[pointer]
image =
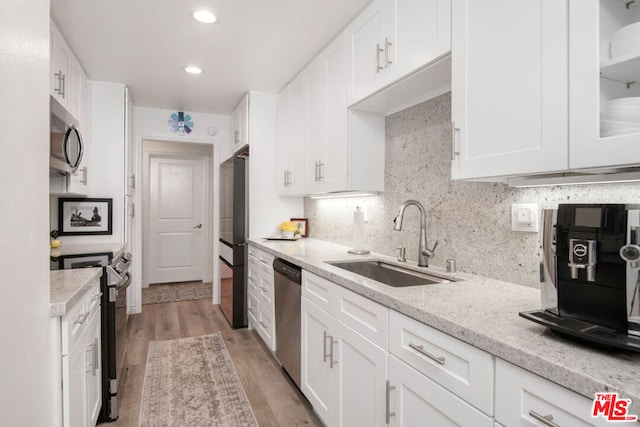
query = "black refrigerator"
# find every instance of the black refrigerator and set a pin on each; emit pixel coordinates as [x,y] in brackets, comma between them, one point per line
[233,233]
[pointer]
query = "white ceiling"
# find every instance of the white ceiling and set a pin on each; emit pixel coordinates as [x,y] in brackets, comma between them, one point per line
[255,45]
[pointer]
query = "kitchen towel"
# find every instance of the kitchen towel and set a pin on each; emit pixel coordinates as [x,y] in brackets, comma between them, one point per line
[358,229]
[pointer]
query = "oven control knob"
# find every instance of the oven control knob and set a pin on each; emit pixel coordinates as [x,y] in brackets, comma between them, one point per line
[127,256]
[631,254]
[120,267]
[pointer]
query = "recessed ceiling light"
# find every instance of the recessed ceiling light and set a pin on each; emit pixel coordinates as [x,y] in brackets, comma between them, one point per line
[192,69]
[204,16]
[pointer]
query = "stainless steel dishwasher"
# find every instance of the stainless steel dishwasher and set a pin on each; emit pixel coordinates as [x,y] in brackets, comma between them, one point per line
[288,291]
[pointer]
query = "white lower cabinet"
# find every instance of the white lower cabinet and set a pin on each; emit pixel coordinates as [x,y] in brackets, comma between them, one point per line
[79,360]
[416,400]
[260,296]
[343,373]
[525,399]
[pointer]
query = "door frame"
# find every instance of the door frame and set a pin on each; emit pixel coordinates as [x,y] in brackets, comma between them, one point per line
[173,149]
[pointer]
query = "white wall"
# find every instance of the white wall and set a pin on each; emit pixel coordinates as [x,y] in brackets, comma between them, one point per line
[25,376]
[152,124]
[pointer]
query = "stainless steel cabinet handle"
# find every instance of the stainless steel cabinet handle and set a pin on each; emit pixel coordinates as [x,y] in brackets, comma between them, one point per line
[324,346]
[420,349]
[95,357]
[252,311]
[64,86]
[387,44]
[262,324]
[89,348]
[378,50]
[58,75]
[197,226]
[264,289]
[454,150]
[544,419]
[331,361]
[320,171]
[84,176]
[81,318]
[236,136]
[388,413]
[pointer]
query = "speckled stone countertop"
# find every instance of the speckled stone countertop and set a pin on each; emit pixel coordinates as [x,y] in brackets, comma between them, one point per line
[68,286]
[482,312]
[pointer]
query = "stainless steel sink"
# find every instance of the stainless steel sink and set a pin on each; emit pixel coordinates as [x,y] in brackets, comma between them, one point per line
[389,274]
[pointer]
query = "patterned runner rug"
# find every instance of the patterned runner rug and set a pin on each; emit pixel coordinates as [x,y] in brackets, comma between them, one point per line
[192,382]
[174,292]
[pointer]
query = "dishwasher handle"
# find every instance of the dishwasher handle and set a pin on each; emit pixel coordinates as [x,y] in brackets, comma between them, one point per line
[287,269]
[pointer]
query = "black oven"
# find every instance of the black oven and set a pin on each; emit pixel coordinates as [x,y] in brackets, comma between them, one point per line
[113,285]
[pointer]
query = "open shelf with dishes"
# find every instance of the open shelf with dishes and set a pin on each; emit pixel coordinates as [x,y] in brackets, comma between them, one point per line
[619,37]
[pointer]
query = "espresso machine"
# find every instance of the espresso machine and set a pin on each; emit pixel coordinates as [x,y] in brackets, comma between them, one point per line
[590,285]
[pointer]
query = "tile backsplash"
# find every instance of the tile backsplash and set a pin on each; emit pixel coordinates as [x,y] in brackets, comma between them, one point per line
[470,220]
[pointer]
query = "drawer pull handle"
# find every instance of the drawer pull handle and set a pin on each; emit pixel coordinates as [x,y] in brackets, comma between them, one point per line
[264,289]
[81,318]
[544,419]
[252,311]
[262,324]
[420,349]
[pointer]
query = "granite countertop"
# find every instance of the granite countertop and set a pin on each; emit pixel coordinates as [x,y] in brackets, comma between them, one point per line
[482,312]
[68,286]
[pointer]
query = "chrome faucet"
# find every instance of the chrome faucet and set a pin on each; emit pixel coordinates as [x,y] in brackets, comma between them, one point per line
[423,253]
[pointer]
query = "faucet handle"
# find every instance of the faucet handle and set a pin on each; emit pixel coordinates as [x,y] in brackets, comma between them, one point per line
[430,252]
[402,254]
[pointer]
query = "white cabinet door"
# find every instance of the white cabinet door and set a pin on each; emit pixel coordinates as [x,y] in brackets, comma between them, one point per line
[601,134]
[240,123]
[509,87]
[367,50]
[415,400]
[318,378]
[285,151]
[60,55]
[73,366]
[334,173]
[362,375]
[315,146]
[298,132]
[422,33]
[93,370]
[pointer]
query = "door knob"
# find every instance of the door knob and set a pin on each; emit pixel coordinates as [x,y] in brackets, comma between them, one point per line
[197,226]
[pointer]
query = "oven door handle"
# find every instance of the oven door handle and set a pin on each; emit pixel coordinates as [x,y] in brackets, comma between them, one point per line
[126,281]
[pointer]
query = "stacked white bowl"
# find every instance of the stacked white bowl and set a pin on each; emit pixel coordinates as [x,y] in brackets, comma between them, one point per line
[626,41]
[621,116]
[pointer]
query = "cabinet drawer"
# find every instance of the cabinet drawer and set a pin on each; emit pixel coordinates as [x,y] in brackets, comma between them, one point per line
[266,326]
[252,309]
[317,290]
[265,261]
[363,315]
[459,367]
[520,394]
[253,277]
[266,290]
[77,318]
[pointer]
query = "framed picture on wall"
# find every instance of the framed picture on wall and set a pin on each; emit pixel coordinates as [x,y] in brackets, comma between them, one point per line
[83,216]
[84,260]
[303,225]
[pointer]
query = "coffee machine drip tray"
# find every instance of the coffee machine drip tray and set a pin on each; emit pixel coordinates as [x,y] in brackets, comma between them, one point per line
[584,331]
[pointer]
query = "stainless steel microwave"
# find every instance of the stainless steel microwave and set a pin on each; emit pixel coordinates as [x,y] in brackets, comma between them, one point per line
[66,146]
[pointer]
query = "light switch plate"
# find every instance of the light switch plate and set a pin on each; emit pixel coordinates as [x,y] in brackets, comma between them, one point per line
[524,217]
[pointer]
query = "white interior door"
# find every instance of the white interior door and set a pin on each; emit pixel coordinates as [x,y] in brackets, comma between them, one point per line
[176,215]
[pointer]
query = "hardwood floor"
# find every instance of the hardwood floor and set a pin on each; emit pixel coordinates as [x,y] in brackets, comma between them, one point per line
[275,401]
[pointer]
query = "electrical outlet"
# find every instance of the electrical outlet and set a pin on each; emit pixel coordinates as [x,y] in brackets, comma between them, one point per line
[525,217]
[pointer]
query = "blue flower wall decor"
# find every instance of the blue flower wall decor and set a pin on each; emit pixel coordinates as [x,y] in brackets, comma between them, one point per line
[180,123]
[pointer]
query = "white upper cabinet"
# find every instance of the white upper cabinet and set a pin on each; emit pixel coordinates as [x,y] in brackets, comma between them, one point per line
[393,38]
[322,146]
[240,124]
[509,87]
[66,75]
[604,67]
